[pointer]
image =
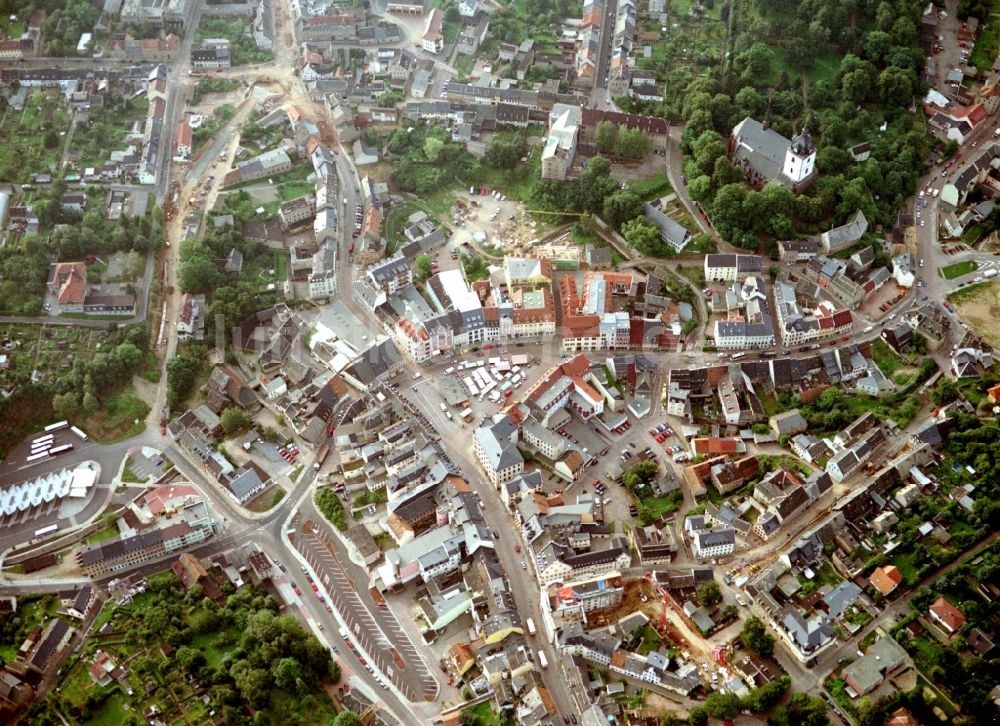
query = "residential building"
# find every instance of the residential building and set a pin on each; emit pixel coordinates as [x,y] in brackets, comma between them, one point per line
[296,211]
[560,145]
[884,658]
[946,615]
[267,164]
[183,144]
[432,40]
[886,579]
[730,267]
[495,446]
[671,231]
[212,55]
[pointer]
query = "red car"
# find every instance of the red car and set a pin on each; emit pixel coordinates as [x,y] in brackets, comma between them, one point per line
[517,548]
[660,439]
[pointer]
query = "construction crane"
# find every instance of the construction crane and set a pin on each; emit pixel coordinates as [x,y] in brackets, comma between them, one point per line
[662,625]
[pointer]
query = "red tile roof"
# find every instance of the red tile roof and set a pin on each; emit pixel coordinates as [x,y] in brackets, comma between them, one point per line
[947,614]
[71,277]
[886,579]
[712,445]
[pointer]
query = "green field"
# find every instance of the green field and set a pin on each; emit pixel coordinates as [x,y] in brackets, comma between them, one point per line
[957,269]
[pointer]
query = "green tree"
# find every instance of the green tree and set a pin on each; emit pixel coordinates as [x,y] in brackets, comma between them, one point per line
[620,207]
[895,86]
[756,61]
[181,372]
[606,137]
[423,265]
[596,184]
[90,403]
[945,391]
[708,147]
[199,274]
[66,405]
[755,637]
[128,356]
[644,236]
[633,144]
[234,419]
[723,706]
[287,672]
[709,594]
[190,658]
[698,717]
[504,154]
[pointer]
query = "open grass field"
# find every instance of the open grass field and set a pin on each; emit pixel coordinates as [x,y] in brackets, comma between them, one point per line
[979,306]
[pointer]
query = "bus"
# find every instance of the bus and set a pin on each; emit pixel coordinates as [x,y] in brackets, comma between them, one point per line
[35,448]
[542,660]
[61,449]
[56,427]
[737,356]
[37,457]
[47,440]
[45,531]
[78,432]
[531,626]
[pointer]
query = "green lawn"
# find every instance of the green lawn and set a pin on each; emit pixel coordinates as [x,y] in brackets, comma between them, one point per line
[972,234]
[281,265]
[654,188]
[106,532]
[112,713]
[295,189]
[652,508]
[885,358]
[206,644]
[957,269]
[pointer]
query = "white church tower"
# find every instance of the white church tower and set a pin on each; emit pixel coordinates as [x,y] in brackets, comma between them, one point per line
[800,158]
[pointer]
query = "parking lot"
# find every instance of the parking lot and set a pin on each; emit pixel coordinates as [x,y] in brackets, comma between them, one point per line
[381,640]
[265,454]
[148,463]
